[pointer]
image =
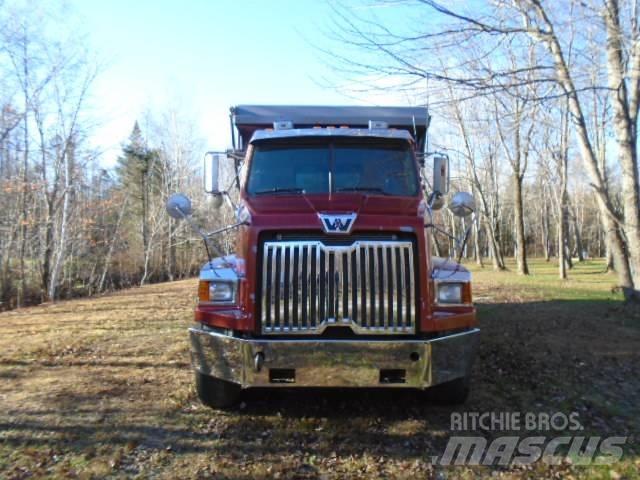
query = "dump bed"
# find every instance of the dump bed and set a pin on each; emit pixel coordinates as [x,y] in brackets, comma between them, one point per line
[249,118]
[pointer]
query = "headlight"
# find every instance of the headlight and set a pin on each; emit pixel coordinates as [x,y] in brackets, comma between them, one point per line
[220,291]
[449,293]
[217,291]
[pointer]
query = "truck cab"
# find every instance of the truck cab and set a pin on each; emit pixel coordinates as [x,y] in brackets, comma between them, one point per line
[332,282]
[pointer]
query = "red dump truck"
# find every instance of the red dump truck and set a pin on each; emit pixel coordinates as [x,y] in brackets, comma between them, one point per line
[332,282]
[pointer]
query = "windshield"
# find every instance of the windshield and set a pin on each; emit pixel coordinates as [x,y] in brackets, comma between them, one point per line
[381,169]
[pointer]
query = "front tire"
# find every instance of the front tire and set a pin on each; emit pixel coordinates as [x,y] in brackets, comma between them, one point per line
[216,393]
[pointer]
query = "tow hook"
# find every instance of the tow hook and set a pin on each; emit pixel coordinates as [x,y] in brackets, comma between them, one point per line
[258,361]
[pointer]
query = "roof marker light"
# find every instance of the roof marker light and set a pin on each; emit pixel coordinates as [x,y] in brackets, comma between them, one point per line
[283,125]
[377,124]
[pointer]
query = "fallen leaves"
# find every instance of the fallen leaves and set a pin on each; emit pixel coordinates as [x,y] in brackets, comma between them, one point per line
[103,388]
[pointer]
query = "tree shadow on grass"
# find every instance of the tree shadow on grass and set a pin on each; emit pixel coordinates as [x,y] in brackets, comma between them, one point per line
[543,356]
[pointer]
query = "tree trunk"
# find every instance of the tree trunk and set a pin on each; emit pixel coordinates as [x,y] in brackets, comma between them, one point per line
[617,249]
[563,229]
[545,228]
[624,122]
[609,251]
[497,246]
[562,252]
[523,267]
[578,237]
[23,192]
[116,233]
[172,250]
[47,254]
[62,247]
[453,247]
[145,213]
[476,243]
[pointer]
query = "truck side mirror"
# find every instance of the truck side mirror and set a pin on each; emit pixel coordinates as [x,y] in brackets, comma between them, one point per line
[440,175]
[212,172]
[178,206]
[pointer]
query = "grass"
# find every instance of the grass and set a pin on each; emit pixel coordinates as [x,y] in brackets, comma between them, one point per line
[102,387]
[588,280]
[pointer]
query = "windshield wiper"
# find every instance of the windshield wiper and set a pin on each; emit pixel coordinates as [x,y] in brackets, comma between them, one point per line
[279,190]
[363,189]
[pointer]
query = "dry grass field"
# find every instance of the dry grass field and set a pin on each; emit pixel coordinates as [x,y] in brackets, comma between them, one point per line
[102,388]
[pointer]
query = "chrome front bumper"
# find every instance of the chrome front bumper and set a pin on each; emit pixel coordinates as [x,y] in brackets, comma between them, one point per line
[333,363]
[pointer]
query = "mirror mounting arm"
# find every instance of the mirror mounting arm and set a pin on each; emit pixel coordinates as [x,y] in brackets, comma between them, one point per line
[225,229]
[440,230]
[205,238]
[179,207]
[238,158]
[461,242]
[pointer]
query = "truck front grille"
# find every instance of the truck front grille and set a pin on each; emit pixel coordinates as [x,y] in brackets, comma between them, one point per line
[308,286]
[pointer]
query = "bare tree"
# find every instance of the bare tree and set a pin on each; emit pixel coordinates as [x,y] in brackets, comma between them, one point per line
[478,186]
[518,157]
[476,39]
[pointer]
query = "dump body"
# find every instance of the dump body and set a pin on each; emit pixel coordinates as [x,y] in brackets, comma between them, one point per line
[332,280]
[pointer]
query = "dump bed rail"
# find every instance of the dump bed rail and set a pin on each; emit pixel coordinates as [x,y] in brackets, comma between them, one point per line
[249,118]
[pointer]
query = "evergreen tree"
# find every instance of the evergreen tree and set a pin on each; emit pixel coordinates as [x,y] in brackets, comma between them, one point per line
[140,175]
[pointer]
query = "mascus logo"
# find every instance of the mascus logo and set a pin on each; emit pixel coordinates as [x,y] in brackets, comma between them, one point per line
[339,223]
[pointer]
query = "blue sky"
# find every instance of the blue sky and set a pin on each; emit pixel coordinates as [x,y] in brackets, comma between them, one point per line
[203,56]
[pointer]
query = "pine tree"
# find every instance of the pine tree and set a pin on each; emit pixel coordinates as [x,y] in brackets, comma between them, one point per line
[139,173]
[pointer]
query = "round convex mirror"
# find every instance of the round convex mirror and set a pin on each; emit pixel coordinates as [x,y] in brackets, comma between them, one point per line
[178,206]
[462,204]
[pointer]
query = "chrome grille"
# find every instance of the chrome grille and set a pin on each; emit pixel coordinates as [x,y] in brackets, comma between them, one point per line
[368,286]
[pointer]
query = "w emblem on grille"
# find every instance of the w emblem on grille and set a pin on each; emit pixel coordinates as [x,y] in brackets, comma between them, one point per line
[339,223]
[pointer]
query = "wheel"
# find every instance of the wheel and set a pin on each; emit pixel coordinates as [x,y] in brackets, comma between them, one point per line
[454,392]
[216,393]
